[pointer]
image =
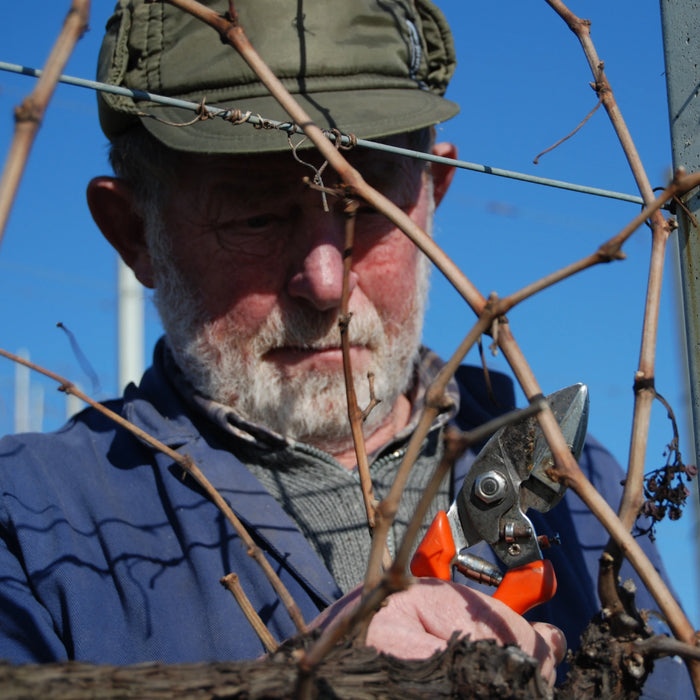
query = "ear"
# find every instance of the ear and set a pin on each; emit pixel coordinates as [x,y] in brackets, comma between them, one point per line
[442,173]
[111,205]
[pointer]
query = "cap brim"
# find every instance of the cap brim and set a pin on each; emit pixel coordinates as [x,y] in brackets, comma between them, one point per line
[368,114]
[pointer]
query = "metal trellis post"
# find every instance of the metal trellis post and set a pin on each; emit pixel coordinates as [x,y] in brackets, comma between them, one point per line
[680,21]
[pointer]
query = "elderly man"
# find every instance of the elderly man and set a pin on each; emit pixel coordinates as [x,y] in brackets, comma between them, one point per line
[111,555]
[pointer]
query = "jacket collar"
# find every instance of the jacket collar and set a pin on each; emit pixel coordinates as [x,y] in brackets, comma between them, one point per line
[157,408]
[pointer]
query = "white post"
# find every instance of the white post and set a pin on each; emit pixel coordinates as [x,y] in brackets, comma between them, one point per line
[36,416]
[22,423]
[73,404]
[130,326]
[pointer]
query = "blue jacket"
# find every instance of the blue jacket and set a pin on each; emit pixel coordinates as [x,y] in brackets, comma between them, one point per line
[109,555]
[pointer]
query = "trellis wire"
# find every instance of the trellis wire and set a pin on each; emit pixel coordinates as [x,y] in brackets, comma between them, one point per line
[257,120]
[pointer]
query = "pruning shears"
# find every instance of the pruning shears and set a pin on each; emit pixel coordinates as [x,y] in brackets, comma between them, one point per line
[508,477]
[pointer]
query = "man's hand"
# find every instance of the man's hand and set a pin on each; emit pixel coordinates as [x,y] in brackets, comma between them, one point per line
[415,623]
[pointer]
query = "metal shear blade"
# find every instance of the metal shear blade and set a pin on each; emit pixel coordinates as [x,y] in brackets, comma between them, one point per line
[509,476]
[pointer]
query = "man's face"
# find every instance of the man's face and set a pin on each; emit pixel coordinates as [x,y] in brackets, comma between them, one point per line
[249,271]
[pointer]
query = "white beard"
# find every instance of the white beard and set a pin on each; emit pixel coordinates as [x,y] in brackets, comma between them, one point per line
[231,369]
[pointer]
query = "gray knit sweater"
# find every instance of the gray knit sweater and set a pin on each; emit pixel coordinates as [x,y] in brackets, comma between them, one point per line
[321,496]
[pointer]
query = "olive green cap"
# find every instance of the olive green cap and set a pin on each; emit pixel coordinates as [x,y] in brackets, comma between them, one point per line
[372,68]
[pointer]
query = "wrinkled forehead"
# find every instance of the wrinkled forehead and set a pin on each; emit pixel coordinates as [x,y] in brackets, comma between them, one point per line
[249,175]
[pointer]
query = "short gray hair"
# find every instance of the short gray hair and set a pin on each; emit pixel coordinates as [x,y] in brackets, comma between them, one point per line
[146,165]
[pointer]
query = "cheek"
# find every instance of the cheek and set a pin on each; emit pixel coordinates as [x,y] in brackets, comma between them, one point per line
[229,285]
[242,314]
[236,325]
[388,270]
[239,296]
[387,276]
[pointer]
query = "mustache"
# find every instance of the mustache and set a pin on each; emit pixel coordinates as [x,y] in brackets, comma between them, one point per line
[309,329]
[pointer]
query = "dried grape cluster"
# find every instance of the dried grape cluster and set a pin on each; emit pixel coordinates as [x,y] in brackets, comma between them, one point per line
[664,489]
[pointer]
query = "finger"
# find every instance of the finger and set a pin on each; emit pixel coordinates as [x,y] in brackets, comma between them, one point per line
[403,637]
[483,617]
[554,637]
[549,649]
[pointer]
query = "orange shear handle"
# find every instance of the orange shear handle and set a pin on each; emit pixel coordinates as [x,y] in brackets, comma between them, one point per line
[436,552]
[526,586]
[521,589]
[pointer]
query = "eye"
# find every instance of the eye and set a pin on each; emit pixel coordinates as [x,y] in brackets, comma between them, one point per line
[371,225]
[370,216]
[257,235]
[260,221]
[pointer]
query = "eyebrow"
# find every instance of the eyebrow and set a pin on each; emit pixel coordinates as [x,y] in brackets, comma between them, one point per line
[251,187]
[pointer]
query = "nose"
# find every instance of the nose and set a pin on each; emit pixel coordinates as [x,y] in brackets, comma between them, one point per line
[317,276]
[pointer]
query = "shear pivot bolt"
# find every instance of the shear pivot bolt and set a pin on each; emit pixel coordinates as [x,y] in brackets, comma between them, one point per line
[490,487]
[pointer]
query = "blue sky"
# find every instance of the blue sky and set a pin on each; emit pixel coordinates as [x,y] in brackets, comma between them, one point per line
[522,82]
